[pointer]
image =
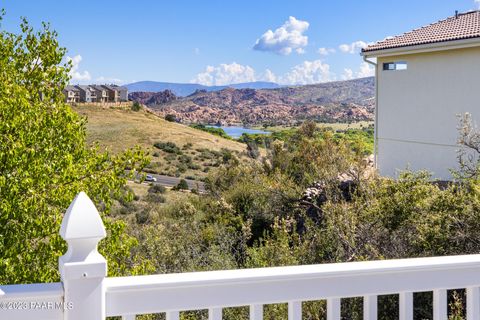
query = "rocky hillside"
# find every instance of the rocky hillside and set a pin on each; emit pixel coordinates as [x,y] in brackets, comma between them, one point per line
[339,101]
[153,98]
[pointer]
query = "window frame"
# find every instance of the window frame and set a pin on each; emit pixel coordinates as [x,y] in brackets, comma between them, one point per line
[395,66]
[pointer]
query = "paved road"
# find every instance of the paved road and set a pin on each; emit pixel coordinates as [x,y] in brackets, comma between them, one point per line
[168,181]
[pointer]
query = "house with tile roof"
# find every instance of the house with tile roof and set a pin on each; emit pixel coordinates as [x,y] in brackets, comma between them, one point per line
[425,79]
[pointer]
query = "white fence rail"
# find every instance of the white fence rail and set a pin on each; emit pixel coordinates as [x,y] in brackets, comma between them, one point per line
[86,292]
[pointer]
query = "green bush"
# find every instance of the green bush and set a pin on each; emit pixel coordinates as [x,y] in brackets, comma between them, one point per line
[170,118]
[136,106]
[157,188]
[182,185]
[171,157]
[142,217]
[193,166]
[185,159]
[155,198]
[169,147]
[181,167]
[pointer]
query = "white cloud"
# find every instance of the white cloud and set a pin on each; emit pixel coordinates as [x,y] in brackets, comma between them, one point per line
[225,74]
[284,39]
[477,3]
[347,74]
[196,51]
[107,80]
[300,50]
[325,51]
[365,70]
[354,47]
[74,73]
[308,72]
[269,76]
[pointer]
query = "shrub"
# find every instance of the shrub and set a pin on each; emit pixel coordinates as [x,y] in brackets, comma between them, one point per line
[169,147]
[150,170]
[156,188]
[142,217]
[170,157]
[185,159]
[181,167]
[227,155]
[152,167]
[252,150]
[136,106]
[170,118]
[155,198]
[182,185]
[193,166]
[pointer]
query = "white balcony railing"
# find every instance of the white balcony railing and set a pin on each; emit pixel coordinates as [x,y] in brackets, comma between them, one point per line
[85,292]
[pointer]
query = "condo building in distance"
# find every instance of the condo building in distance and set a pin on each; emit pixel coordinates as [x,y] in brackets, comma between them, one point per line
[95,93]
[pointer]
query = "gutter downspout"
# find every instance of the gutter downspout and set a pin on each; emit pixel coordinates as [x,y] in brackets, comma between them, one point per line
[375,132]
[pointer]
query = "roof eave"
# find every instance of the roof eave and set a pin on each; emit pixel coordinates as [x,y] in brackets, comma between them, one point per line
[428,47]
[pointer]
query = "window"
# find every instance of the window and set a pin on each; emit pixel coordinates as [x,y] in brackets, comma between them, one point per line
[398,65]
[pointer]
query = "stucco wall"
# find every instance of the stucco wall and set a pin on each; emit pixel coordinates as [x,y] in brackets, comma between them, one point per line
[124,95]
[417,109]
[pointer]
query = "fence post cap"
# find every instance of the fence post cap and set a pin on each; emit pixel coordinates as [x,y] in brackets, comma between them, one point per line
[82,220]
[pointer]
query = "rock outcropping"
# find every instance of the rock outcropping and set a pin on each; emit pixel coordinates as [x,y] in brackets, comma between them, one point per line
[153,98]
[327,102]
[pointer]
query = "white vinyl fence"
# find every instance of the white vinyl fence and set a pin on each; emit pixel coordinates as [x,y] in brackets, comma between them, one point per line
[86,293]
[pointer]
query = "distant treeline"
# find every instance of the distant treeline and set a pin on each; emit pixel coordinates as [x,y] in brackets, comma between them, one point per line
[213,130]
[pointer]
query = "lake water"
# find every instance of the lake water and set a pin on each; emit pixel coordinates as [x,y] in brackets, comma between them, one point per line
[236,132]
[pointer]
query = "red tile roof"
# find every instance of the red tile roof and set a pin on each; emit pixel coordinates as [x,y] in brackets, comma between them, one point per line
[463,26]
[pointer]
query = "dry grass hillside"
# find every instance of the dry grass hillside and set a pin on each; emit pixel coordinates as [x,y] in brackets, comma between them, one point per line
[118,129]
[181,151]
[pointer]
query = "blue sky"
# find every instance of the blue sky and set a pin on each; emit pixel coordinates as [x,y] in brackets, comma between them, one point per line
[220,42]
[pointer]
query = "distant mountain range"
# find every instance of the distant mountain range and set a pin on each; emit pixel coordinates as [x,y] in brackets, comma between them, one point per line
[185,89]
[339,101]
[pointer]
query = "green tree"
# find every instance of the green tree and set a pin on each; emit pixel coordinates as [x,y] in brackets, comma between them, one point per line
[45,162]
[182,185]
